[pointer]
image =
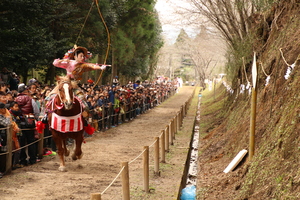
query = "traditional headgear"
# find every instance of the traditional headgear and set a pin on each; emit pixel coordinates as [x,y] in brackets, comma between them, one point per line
[71,53]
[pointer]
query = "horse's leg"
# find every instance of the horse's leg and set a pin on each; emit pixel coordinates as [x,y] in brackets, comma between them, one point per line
[66,150]
[77,152]
[60,150]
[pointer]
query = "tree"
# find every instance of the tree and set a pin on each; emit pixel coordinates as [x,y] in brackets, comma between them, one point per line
[34,33]
[24,34]
[136,38]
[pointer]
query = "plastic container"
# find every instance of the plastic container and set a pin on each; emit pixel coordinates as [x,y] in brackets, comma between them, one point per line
[188,193]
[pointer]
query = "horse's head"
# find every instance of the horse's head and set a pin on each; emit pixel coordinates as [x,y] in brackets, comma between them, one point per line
[65,92]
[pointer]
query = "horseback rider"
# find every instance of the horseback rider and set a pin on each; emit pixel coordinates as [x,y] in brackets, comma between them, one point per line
[75,65]
[73,62]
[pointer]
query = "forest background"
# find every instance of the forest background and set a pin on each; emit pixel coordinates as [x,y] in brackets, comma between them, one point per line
[34,33]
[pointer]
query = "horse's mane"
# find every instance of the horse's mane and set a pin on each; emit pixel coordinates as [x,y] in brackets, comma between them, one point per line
[63,79]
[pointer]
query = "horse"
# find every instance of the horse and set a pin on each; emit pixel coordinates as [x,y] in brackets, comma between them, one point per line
[65,119]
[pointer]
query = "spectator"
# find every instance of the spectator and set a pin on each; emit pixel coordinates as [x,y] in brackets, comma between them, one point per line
[136,84]
[3,87]
[14,81]
[30,111]
[116,81]
[5,121]
[32,81]
[116,110]
[18,118]
[5,75]
[89,100]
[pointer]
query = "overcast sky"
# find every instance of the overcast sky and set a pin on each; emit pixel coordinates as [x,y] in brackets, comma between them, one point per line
[171,21]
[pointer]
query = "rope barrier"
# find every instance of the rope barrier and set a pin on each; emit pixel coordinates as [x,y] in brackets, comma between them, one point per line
[4,128]
[22,146]
[152,144]
[113,181]
[137,157]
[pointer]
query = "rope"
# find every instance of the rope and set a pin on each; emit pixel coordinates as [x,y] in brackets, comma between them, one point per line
[137,157]
[21,147]
[283,57]
[262,67]
[108,42]
[113,181]
[245,70]
[84,22]
[153,143]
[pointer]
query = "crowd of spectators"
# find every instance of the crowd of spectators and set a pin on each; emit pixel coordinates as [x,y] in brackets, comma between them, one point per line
[109,105]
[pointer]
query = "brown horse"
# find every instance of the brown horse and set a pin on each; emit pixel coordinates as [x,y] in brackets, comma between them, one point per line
[65,119]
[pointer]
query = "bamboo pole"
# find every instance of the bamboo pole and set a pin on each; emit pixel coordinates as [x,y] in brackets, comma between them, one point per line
[252,123]
[253,109]
[146,168]
[125,181]
[156,156]
[163,149]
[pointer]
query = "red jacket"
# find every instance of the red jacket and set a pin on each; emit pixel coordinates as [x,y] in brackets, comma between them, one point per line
[25,103]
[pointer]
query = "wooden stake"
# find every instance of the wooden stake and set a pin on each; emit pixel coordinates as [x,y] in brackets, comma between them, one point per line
[146,168]
[125,181]
[156,156]
[163,149]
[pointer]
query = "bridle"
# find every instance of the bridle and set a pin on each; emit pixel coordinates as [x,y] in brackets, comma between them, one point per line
[65,104]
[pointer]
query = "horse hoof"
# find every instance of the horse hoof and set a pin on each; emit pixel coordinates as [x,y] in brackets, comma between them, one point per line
[67,153]
[74,157]
[62,169]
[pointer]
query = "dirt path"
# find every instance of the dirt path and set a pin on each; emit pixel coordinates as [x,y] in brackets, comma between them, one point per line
[103,154]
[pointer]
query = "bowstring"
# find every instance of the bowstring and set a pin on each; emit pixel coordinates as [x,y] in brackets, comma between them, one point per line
[108,41]
[92,4]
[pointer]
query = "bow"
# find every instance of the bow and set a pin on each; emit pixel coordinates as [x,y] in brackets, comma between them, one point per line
[108,41]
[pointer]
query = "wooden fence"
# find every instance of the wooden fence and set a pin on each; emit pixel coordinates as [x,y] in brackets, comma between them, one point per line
[161,146]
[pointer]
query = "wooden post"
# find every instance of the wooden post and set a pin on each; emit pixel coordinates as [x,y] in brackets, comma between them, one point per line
[174,127]
[109,116]
[146,168]
[253,109]
[186,108]
[130,111]
[103,116]
[163,149]
[181,116]
[41,145]
[95,196]
[123,116]
[167,140]
[252,124]
[156,156]
[125,181]
[172,131]
[9,131]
